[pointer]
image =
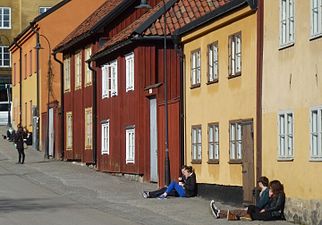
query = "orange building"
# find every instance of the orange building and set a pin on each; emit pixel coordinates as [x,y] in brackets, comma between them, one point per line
[36,74]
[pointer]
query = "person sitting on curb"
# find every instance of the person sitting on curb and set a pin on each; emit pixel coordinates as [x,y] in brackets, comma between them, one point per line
[186,187]
[261,201]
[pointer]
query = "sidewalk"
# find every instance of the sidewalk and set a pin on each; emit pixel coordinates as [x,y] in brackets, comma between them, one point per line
[114,194]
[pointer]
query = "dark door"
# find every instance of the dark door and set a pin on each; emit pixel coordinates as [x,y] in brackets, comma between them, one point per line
[248,161]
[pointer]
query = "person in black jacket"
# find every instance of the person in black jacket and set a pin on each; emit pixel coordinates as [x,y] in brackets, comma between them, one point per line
[19,144]
[274,210]
[185,187]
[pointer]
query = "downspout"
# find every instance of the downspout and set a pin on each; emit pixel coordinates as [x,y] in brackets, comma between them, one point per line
[178,48]
[260,41]
[62,130]
[20,78]
[94,112]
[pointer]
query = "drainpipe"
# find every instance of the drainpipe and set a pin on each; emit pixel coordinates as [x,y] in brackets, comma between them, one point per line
[62,130]
[94,112]
[20,78]
[178,48]
[260,36]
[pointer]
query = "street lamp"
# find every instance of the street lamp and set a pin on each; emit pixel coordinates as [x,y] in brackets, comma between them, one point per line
[8,86]
[144,4]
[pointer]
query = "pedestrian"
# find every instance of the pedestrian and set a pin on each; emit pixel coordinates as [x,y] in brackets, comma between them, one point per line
[19,141]
[244,214]
[186,186]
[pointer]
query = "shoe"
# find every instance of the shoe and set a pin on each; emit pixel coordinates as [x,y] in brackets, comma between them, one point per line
[214,209]
[145,194]
[162,197]
[247,217]
[231,216]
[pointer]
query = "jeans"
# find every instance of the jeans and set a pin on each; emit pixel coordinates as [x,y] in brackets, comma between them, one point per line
[175,186]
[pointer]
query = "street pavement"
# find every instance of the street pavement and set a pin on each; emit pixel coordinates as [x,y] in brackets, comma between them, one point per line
[52,192]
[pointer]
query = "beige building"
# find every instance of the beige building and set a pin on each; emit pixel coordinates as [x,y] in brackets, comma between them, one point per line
[15,15]
[220,97]
[292,104]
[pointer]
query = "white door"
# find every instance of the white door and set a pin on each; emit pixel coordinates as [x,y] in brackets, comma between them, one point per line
[51,132]
[153,141]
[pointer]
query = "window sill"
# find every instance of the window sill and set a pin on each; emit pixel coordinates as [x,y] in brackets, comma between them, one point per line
[315,36]
[288,45]
[212,82]
[286,159]
[235,161]
[315,159]
[234,76]
[88,148]
[213,161]
[69,149]
[196,161]
[195,86]
[66,91]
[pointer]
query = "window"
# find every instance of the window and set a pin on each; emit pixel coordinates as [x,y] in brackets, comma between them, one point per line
[30,111]
[213,62]
[4,56]
[67,74]
[196,144]
[130,145]
[316,17]
[43,9]
[235,139]
[129,62]
[78,71]
[316,134]
[286,22]
[285,124]
[69,132]
[88,128]
[195,68]
[109,79]
[234,46]
[30,62]
[213,142]
[105,137]
[5,18]
[88,72]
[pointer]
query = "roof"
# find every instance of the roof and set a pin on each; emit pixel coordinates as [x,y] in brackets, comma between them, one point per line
[179,13]
[85,28]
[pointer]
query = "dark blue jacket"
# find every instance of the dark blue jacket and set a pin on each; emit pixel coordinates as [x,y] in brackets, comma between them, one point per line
[262,200]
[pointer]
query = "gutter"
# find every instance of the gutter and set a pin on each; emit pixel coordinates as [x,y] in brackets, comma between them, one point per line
[20,79]
[94,112]
[62,130]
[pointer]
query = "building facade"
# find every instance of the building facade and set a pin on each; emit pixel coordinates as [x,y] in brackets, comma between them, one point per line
[221,101]
[292,100]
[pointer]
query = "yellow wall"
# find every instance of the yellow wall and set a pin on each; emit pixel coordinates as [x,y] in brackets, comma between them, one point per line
[229,99]
[292,79]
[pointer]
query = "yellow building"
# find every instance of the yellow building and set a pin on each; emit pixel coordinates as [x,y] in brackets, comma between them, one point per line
[15,15]
[29,70]
[292,104]
[221,101]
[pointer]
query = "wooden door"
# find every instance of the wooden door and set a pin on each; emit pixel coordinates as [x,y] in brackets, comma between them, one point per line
[248,161]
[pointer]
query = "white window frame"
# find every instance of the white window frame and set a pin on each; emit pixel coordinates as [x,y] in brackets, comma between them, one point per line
[105,137]
[129,71]
[2,9]
[67,74]
[235,54]
[69,130]
[316,134]
[88,72]
[287,23]
[130,144]
[2,56]
[88,128]
[195,61]
[213,142]
[78,70]
[285,135]
[196,143]
[213,67]
[43,9]
[235,141]
[316,18]
[109,79]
